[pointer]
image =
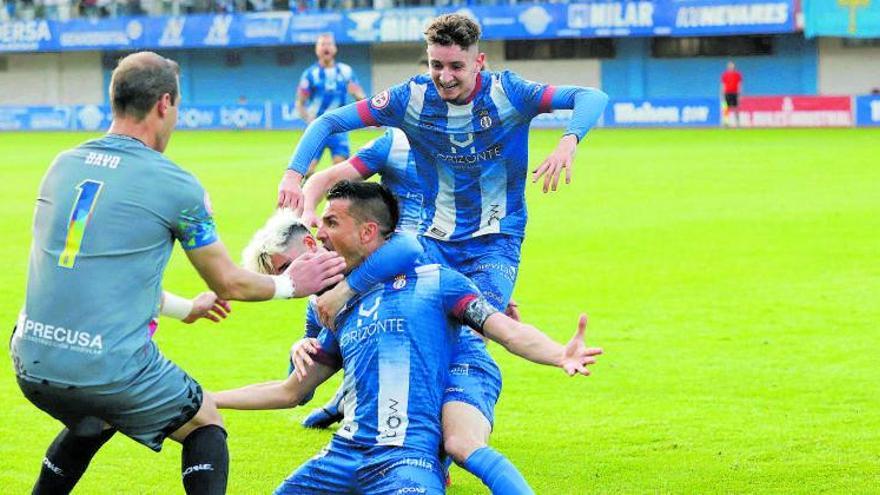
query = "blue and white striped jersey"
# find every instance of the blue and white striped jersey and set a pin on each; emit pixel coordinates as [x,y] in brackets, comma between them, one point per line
[390,156]
[472,158]
[326,88]
[395,343]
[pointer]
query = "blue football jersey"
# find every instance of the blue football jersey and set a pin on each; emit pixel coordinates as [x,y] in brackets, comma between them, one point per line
[326,88]
[391,157]
[472,158]
[395,343]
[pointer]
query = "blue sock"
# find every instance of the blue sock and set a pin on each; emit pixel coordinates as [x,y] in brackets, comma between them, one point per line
[497,473]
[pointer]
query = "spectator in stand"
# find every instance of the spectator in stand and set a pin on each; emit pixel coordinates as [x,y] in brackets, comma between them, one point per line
[731,87]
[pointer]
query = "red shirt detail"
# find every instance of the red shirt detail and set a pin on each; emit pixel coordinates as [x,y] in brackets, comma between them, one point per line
[731,80]
[364,112]
[360,166]
[546,98]
[476,89]
[461,306]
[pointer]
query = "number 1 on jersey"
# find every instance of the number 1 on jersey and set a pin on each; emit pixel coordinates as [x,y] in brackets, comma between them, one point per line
[80,215]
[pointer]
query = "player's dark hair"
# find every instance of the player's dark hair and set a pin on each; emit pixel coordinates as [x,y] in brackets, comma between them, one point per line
[453,29]
[370,201]
[139,81]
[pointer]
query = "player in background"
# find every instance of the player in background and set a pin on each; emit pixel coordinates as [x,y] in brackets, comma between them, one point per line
[731,87]
[468,130]
[395,343]
[325,86]
[107,215]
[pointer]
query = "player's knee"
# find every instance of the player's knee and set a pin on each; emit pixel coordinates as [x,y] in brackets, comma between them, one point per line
[209,414]
[460,446]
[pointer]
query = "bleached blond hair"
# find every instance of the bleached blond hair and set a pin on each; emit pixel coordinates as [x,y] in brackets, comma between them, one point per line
[280,231]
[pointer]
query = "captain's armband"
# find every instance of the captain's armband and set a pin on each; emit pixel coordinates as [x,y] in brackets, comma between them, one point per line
[476,312]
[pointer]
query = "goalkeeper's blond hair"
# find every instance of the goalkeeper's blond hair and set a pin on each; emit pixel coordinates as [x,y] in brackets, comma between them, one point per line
[281,230]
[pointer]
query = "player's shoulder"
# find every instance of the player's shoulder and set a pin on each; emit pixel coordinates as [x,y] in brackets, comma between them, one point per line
[344,68]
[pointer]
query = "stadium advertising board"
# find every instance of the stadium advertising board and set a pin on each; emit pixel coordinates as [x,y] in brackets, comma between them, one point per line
[55,118]
[708,17]
[677,112]
[98,117]
[868,110]
[795,111]
[593,19]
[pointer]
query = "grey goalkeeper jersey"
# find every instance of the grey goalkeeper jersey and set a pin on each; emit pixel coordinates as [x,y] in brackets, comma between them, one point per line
[105,222]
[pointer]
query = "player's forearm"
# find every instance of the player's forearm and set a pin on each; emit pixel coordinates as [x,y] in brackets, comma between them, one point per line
[243,285]
[339,120]
[396,256]
[228,280]
[270,395]
[525,341]
[315,188]
[587,104]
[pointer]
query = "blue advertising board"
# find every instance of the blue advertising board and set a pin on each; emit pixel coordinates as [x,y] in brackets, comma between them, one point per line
[682,112]
[55,118]
[251,116]
[867,111]
[614,18]
[677,112]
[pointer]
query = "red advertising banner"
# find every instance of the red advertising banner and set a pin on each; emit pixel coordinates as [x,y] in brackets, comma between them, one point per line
[795,111]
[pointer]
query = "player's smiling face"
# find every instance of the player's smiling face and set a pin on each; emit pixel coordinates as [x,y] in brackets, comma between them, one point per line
[454,70]
[340,232]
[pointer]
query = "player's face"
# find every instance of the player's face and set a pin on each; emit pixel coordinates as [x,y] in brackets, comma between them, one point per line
[325,48]
[280,261]
[454,70]
[340,232]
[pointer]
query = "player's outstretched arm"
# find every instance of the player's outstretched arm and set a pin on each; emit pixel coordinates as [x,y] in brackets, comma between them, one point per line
[342,119]
[530,343]
[277,394]
[306,275]
[205,305]
[317,186]
[587,104]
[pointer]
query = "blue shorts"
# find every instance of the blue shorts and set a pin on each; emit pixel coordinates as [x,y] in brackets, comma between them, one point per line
[491,262]
[343,467]
[148,407]
[473,378]
[337,144]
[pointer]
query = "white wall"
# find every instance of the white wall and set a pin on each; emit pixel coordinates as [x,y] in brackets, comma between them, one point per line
[52,79]
[844,71]
[394,63]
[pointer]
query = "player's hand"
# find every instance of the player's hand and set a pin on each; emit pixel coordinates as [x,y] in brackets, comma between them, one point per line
[310,219]
[577,355]
[512,310]
[300,356]
[208,306]
[290,191]
[561,159]
[331,302]
[312,272]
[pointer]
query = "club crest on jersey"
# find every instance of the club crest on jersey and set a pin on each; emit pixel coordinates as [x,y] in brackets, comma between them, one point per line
[485,122]
[380,100]
[399,282]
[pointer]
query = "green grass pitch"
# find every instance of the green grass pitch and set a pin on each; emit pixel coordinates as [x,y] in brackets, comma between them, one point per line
[732,278]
